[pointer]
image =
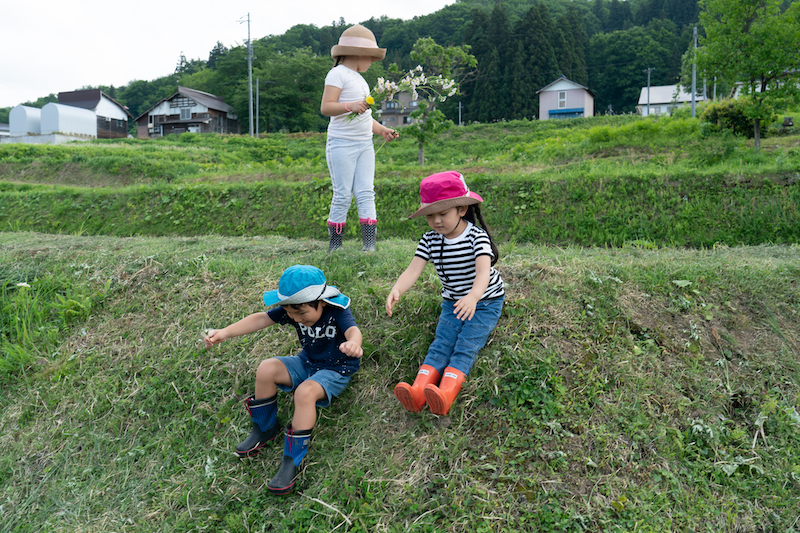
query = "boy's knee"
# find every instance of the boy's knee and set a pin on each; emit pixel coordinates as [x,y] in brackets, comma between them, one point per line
[269,368]
[308,392]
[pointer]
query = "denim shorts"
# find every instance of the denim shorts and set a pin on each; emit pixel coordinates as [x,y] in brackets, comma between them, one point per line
[332,382]
[458,342]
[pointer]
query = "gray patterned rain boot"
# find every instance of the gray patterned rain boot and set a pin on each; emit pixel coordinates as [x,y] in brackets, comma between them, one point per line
[335,231]
[369,234]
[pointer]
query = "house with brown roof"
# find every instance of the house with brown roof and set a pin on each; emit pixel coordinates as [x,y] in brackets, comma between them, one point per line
[112,117]
[187,110]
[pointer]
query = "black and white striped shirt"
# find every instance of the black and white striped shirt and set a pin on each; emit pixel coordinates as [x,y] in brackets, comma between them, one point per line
[454,261]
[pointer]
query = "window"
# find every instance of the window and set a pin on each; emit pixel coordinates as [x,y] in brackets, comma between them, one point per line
[181,101]
[186,113]
[413,103]
[406,120]
[562,99]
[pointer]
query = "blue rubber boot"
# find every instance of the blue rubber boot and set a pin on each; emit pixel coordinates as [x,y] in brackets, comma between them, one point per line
[294,451]
[265,428]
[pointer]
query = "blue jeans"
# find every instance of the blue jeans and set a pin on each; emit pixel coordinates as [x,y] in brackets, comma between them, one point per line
[458,342]
[352,168]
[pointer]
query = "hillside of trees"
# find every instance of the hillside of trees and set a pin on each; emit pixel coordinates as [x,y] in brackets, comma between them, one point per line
[520,45]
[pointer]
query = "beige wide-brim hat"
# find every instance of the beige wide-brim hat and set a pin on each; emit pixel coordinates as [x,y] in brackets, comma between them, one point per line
[358,41]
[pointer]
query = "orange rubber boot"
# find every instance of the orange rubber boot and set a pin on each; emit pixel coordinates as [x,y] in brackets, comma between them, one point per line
[413,396]
[441,398]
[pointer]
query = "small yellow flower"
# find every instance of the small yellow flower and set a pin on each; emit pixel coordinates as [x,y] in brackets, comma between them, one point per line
[370,100]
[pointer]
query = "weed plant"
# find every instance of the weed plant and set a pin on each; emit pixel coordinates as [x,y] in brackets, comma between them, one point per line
[635,388]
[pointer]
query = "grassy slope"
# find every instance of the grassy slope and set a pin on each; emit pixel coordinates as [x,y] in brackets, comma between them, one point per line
[598,181]
[621,391]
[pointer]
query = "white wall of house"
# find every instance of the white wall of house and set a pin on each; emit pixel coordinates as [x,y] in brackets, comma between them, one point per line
[663,99]
[565,95]
[164,108]
[24,120]
[107,108]
[60,118]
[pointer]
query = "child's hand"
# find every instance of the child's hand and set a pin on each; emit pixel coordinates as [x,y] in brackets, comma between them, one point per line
[465,308]
[351,348]
[358,107]
[393,298]
[214,336]
[389,134]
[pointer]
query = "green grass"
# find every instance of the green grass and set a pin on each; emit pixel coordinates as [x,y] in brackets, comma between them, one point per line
[644,375]
[591,182]
[621,391]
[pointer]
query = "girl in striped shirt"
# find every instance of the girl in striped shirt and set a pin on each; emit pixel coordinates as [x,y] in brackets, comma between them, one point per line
[463,254]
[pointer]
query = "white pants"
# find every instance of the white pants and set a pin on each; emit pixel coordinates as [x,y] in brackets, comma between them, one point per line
[352,168]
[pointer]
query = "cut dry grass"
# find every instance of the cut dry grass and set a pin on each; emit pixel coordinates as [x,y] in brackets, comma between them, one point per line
[623,390]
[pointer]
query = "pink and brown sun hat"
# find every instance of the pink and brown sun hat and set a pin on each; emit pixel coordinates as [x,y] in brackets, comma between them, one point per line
[443,190]
[358,41]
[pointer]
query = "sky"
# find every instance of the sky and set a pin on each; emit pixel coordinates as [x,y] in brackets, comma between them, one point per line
[60,46]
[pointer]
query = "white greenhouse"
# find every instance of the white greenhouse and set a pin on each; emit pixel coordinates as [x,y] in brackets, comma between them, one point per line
[24,120]
[68,120]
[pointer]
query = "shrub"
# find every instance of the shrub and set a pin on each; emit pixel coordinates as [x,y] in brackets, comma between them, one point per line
[737,115]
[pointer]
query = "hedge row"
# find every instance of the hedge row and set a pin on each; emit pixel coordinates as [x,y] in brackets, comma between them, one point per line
[695,211]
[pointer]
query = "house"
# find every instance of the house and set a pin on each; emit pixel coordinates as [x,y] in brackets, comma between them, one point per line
[112,117]
[565,99]
[187,110]
[663,99]
[396,113]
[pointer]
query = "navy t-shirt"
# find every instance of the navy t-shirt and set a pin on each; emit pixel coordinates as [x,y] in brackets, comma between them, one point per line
[321,341]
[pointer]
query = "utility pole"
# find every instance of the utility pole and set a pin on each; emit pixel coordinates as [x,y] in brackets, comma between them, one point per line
[257,92]
[694,70]
[249,73]
[648,70]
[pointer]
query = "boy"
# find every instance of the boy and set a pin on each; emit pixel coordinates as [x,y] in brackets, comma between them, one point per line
[331,348]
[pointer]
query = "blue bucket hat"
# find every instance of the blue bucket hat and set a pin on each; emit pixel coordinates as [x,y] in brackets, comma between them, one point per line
[300,284]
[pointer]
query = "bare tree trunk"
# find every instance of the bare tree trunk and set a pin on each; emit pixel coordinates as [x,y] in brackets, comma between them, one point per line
[757,133]
[421,154]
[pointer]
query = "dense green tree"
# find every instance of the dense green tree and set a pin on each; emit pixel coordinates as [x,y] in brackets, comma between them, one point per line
[478,93]
[290,91]
[217,52]
[754,43]
[186,66]
[649,10]
[600,11]
[617,61]
[620,16]
[500,36]
[570,48]
[682,12]
[537,61]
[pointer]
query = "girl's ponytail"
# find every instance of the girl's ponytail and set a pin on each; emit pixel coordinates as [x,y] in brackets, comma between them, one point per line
[474,215]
